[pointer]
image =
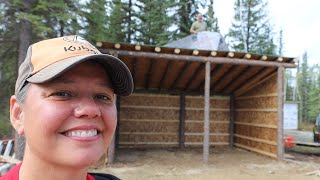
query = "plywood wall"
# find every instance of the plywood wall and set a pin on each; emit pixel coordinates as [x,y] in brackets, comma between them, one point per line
[219,120]
[255,127]
[152,120]
[149,120]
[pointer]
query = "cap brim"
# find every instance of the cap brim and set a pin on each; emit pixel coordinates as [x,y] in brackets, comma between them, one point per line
[118,72]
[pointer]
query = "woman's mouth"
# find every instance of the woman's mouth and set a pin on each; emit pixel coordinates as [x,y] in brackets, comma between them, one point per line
[82,133]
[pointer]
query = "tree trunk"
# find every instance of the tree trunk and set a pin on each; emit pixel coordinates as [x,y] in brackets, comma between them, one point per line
[25,40]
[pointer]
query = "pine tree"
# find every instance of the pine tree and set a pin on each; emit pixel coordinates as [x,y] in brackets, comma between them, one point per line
[303,87]
[313,100]
[281,44]
[212,21]
[96,20]
[289,88]
[130,20]
[52,18]
[117,27]
[251,30]
[187,11]
[8,61]
[154,22]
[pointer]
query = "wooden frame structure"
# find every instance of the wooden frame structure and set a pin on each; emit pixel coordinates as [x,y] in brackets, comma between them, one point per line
[242,102]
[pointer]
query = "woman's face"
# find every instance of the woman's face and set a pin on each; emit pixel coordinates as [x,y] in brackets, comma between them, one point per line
[71,119]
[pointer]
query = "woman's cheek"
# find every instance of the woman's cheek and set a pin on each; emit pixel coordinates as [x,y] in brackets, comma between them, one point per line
[54,116]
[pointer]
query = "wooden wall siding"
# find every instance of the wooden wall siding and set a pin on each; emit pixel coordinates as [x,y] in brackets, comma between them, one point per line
[219,120]
[152,120]
[149,120]
[256,117]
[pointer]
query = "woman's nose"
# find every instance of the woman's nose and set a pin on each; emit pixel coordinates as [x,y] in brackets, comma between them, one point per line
[87,107]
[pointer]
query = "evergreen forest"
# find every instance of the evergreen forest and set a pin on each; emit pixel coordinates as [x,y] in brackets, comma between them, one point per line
[145,22]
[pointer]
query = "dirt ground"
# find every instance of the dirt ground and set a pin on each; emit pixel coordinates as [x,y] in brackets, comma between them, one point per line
[224,164]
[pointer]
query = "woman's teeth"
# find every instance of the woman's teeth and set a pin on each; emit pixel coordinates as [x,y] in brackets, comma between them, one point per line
[82,133]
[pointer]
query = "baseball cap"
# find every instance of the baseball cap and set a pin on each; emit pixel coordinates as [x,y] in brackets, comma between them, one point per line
[50,58]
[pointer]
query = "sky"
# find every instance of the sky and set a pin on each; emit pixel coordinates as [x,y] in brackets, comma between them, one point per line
[299,20]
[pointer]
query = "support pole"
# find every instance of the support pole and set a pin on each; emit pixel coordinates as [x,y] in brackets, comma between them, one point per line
[112,147]
[280,148]
[111,151]
[206,137]
[231,126]
[182,118]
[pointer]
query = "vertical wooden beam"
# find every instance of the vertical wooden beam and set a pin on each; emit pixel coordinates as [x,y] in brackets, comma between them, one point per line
[111,151]
[182,117]
[117,133]
[231,125]
[280,148]
[112,147]
[206,134]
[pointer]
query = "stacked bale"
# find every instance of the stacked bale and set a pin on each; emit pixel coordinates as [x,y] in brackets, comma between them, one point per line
[219,120]
[256,116]
[153,120]
[149,120]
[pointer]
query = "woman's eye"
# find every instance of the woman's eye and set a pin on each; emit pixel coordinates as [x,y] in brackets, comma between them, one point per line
[62,94]
[103,97]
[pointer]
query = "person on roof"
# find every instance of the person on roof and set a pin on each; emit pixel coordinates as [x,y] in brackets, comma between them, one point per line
[64,106]
[198,25]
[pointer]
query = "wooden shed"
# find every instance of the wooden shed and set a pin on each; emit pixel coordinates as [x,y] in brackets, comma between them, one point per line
[197,98]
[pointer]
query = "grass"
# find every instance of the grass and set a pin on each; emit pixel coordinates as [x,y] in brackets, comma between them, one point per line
[306,126]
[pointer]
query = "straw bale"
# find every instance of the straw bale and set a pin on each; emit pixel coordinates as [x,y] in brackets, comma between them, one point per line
[256,132]
[215,102]
[214,115]
[135,126]
[266,118]
[148,138]
[256,145]
[136,113]
[151,100]
[267,87]
[213,138]
[256,103]
[217,127]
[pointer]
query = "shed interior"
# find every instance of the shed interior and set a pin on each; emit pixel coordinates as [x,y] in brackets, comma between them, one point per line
[167,108]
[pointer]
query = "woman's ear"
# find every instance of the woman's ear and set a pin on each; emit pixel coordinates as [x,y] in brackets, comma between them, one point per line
[16,115]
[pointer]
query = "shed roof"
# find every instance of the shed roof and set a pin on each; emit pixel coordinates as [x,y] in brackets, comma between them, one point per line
[164,69]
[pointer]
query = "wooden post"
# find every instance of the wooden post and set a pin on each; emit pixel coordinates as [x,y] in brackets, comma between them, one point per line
[206,134]
[280,148]
[231,126]
[111,151]
[182,117]
[118,103]
[112,146]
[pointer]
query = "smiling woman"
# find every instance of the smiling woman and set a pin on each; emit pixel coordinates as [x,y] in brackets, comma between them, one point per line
[67,125]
